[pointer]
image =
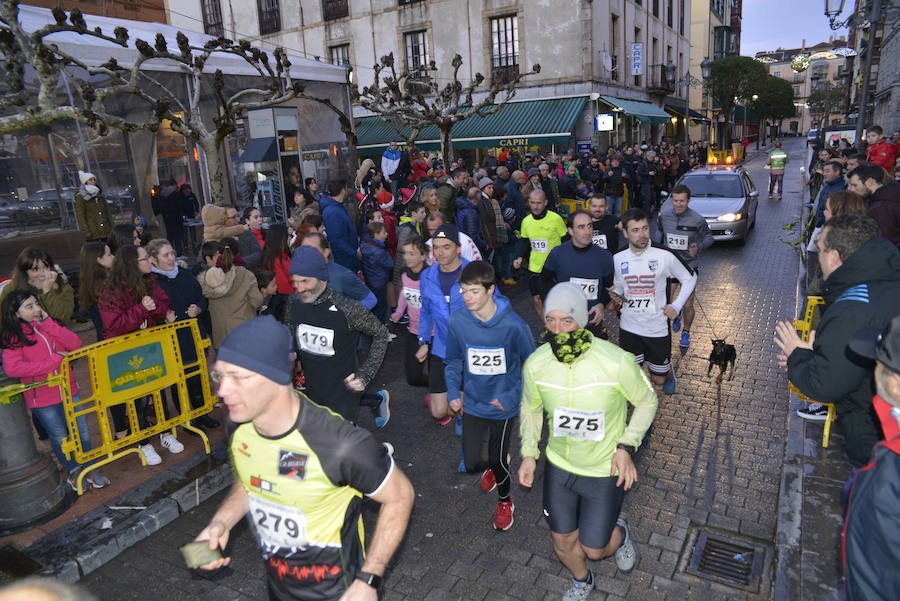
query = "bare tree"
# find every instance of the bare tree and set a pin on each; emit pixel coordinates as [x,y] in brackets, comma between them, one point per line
[415,100]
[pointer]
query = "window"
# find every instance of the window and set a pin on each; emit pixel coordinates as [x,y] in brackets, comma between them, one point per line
[269,16]
[334,9]
[670,9]
[656,8]
[212,17]
[614,46]
[722,42]
[339,55]
[796,91]
[404,2]
[505,47]
[718,7]
[655,56]
[777,73]
[416,53]
[681,17]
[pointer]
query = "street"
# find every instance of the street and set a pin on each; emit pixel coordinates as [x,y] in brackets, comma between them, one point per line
[712,463]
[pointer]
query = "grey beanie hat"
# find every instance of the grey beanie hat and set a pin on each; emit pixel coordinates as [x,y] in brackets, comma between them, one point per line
[570,299]
[263,345]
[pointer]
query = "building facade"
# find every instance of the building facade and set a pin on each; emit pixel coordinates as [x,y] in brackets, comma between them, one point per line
[585,49]
[153,11]
[884,76]
[826,69]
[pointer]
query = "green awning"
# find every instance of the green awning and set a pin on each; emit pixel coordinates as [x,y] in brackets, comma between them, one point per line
[516,124]
[642,111]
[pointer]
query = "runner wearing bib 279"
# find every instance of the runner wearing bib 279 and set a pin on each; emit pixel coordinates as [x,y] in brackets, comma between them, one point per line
[542,230]
[326,328]
[581,262]
[685,232]
[301,472]
[642,272]
[486,347]
[584,386]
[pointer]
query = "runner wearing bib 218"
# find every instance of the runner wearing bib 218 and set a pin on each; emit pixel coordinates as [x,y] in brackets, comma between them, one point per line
[583,386]
[486,347]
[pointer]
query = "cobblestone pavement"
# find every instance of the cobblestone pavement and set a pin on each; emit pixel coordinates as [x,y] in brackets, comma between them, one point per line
[713,461]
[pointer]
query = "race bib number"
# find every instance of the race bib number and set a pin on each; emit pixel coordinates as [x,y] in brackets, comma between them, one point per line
[599,240]
[677,241]
[413,297]
[316,341]
[588,286]
[486,361]
[644,304]
[587,425]
[278,525]
[539,245]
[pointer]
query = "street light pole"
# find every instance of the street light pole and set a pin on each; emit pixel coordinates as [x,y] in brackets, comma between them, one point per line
[873,19]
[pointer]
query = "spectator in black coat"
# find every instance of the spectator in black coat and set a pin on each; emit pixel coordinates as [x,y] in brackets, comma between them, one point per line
[170,203]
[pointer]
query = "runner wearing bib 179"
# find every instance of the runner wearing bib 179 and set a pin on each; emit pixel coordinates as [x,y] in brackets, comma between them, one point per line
[642,271]
[326,328]
[581,262]
[584,386]
[486,347]
[301,473]
[685,232]
[542,230]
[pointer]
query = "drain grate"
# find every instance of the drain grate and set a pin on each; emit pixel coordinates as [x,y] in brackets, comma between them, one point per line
[726,561]
[15,564]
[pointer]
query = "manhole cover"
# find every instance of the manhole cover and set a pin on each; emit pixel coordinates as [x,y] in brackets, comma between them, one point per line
[730,562]
[14,564]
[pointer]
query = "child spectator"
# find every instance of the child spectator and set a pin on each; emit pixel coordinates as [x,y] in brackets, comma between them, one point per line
[276,257]
[377,266]
[273,303]
[409,302]
[96,262]
[36,272]
[34,345]
[233,295]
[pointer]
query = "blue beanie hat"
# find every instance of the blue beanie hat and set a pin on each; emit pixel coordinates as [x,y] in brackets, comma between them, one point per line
[262,345]
[309,263]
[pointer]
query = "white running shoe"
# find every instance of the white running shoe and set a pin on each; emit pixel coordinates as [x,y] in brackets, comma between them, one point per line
[170,442]
[150,454]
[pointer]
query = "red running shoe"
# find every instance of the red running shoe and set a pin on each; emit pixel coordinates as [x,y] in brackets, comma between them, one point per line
[503,517]
[488,481]
[443,421]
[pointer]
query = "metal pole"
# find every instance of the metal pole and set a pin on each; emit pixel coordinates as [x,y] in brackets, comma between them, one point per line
[57,185]
[873,19]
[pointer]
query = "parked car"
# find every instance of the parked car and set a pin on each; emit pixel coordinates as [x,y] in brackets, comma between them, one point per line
[813,136]
[9,205]
[43,205]
[726,197]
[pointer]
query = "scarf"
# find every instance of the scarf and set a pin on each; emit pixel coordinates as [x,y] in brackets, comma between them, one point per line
[89,192]
[568,346]
[169,274]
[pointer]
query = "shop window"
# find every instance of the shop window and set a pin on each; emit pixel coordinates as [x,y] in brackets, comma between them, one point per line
[212,17]
[335,9]
[339,55]
[505,47]
[416,53]
[269,16]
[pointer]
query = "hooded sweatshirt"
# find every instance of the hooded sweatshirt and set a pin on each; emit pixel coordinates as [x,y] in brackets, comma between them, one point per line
[214,227]
[486,358]
[861,293]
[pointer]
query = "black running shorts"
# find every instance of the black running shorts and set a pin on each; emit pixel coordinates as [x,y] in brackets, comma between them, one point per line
[589,505]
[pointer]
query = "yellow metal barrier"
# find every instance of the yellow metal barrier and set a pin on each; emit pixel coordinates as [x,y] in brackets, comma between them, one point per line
[567,206]
[127,368]
[804,327]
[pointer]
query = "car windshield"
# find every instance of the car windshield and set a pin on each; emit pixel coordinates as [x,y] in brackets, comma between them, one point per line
[727,186]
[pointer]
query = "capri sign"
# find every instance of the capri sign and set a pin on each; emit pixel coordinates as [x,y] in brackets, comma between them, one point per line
[513,142]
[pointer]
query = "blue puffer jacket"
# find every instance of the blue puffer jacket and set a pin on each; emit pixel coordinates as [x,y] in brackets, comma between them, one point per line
[377,263]
[341,233]
[468,221]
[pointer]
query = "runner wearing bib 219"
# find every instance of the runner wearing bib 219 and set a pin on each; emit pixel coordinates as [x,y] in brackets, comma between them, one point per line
[542,230]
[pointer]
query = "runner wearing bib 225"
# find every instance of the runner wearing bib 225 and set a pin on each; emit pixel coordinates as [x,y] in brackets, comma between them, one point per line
[583,385]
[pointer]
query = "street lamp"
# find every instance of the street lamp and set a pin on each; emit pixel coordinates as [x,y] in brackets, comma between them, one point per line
[670,74]
[706,69]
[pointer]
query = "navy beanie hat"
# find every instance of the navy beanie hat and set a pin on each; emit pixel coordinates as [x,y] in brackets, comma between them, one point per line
[309,263]
[262,345]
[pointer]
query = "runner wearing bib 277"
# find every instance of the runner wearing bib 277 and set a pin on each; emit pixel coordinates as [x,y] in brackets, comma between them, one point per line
[486,347]
[584,386]
[326,328]
[580,261]
[685,232]
[642,272]
[542,230]
[301,472]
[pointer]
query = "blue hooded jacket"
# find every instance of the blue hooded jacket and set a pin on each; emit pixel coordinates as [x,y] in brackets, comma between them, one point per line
[491,354]
[341,233]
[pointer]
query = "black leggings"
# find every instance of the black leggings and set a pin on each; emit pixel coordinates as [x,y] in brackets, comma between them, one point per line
[500,432]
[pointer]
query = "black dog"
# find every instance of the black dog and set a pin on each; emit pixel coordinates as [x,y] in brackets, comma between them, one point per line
[722,354]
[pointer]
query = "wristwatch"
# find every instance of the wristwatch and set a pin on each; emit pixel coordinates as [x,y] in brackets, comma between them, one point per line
[627,448]
[373,580]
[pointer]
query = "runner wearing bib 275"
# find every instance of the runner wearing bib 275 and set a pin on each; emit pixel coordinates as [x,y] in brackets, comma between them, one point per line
[486,347]
[584,386]
[685,232]
[541,231]
[642,272]
[301,472]
[579,261]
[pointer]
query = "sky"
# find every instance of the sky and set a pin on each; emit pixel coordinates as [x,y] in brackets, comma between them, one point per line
[770,24]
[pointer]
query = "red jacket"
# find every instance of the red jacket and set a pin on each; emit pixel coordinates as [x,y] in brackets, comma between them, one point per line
[40,360]
[882,154]
[123,314]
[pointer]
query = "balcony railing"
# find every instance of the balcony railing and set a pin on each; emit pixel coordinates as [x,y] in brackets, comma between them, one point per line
[656,80]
